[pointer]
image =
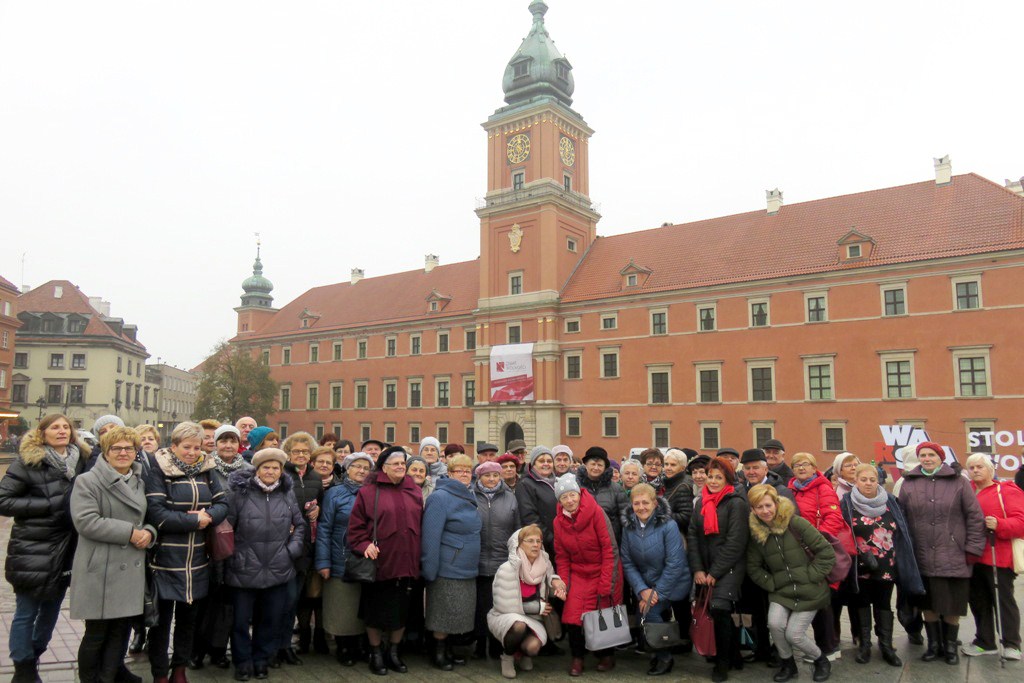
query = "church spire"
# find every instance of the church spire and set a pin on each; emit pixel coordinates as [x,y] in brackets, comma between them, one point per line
[538,71]
[257,288]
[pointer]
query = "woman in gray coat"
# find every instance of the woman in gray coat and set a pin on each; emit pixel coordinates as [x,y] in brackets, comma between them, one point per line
[108,577]
[499,519]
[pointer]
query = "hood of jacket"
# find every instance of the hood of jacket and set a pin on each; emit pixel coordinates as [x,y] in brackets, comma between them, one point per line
[760,531]
[244,480]
[944,471]
[164,460]
[662,514]
[32,449]
[584,480]
[456,488]
[513,551]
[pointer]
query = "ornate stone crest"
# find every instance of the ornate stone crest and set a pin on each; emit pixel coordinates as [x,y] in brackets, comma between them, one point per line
[515,237]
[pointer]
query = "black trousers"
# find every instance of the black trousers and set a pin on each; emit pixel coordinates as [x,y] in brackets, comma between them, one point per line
[578,643]
[101,652]
[484,602]
[754,601]
[982,601]
[875,593]
[184,617]
[824,628]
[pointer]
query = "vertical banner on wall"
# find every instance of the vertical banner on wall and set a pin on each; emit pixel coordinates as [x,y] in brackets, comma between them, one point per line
[512,372]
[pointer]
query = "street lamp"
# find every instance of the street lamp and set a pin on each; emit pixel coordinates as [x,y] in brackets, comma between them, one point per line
[117,396]
[41,402]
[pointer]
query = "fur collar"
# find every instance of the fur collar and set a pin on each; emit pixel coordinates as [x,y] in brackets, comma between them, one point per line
[167,466]
[32,449]
[760,531]
[584,480]
[662,514]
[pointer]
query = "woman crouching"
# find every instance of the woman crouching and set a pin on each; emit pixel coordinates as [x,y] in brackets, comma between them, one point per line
[790,559]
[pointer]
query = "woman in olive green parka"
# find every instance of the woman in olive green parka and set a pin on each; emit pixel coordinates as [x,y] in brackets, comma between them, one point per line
[790,559]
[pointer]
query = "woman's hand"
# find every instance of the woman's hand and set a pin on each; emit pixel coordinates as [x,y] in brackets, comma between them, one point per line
[141,538]
[313,513]
[559,589]
[204,518]
[991,523]
[325,573]
[545,608]
[371,552]
[703,579]
[649,597]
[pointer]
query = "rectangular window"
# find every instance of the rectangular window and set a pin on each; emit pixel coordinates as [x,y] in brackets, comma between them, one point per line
[567,182]
[470,432]
[415,345]
[442,342]
[816,312]
[119,363]
[336,428]
[286,356]
[660,437]
[659,322]
[710,385]
[337,351]
[442,433]
[319,431]
[515,283]
[894,301]
[391,345]
[443,395]
[835,438]
[21,360]
[609,364]
[761,384]
[336,390]
[389,433]
[515,334]
[709,437]
[660,387]
[390,395]
[631,280]
[361,349]
[979,437]
[973,376]
[518,178]
[470,340]
[364,431]
[968,294]
[610,425]
[609,321]
[76,394]
[415,394]
[314,353]
[414,433]
[313,398]
[286,398]
[469,391]
[573,366]
[55,394]
[572,325]
[763,434]
[129,365]
[265,356]
[18,393]
[819,382]
[572,424]
[853,251]
[282,429]
[361,399]
[898,381]
[570,244]
[759,314]
[57,361]
[78,361]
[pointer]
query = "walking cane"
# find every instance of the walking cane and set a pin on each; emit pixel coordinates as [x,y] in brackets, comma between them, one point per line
[999,622]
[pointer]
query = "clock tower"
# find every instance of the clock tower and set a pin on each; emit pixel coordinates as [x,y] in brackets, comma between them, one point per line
[536,223]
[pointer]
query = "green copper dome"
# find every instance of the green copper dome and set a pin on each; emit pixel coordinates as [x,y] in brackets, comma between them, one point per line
[537,70]
[257,283]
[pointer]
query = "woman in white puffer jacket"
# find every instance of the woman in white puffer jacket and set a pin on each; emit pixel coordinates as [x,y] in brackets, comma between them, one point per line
[521,588]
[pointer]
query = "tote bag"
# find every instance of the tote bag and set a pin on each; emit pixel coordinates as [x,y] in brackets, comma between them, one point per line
[359,568]
[1016,544]
[605,628]
[702,627]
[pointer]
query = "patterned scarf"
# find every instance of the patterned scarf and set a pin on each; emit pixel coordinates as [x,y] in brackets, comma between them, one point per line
[227,468]
[65,464]
[801,485]
[267,489]
[489,492]
[709,508]
[189,470]
[870,507]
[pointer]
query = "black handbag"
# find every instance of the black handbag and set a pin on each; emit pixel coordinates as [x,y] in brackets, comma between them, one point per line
[659,636]
[359,568]
[150,604]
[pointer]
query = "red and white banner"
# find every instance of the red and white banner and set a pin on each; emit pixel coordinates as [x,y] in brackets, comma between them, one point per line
[512,373]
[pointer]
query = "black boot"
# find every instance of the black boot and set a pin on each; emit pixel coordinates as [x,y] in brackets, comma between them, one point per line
[949,636]
[660,665]
[933,629]
[305,636]
[787,671]
[822,668]
[910,620]
[26,672]
[450,655]
[138,643]
[346,653]
[123,675]
[394,659]
[320,642]
[864,646]
[721,671]
[440,658]
[883,629]
[377,661]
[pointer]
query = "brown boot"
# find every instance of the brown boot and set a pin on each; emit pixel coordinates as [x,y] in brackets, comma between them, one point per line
[577,667]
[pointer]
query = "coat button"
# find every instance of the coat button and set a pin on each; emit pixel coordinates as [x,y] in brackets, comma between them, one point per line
[138,563]
[123,566]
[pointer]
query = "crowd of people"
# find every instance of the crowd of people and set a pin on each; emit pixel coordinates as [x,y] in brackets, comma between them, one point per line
[233,547]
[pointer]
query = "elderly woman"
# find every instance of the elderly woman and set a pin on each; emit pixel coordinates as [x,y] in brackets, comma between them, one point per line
[655,564]
[149,443]
[587,551]
[697,468]
[184,499]
[678,488]
[522,591]
[384,526]
[653,463]
[308,488]
[108,506]
[1002,503]
[842,471]
[341,598]
[323,464]
[596,477]
[417,469]
[885,558]
[450,558]
[716,549]
[269,537]
[631,472]
[35,493]
[499,518]
[430,451]
[562,455]
[787,557]
[536,495]
[947,526]
[509,470]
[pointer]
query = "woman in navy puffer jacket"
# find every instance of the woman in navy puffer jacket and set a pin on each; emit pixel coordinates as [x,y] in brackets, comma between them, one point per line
[654,562]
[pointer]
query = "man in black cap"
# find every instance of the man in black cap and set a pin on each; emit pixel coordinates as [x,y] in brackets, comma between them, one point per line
[756,471]
[374,447]
[732,455]
[776,452]
[485,452]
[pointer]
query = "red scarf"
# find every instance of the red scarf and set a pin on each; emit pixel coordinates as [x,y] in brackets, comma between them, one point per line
[709,508]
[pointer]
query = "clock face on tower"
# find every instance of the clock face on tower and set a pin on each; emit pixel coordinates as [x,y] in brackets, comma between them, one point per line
[567,150]
[518,148]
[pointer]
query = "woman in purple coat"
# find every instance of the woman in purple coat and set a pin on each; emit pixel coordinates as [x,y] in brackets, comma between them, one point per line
[395,502]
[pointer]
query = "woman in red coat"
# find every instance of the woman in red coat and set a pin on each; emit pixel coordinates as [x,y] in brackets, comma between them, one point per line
[1003,505]
[588,561]
[390,497]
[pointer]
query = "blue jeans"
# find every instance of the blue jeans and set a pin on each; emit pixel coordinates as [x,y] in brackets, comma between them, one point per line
[265,608]
[291,608]
[32,626]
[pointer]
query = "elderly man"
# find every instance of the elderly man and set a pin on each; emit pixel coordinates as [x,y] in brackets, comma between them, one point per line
[486,452]
[776,452]
[517,447]
[245,425]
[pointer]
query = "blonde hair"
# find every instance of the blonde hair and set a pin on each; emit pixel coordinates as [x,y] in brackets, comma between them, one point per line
[460,460]
[864,467]
[119,434]
[530,530]
[643,489]
[760,491]
[322,450]
[803,457]
[148,429]
[209,423]
[677,455]
[186,430]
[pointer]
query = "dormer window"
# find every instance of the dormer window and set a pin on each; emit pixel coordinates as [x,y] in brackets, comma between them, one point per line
[854,246]
[436,301]
[562,71]
[433,306]
[631,280]
[634,275]
[308,318]
[853,251]
[521,69]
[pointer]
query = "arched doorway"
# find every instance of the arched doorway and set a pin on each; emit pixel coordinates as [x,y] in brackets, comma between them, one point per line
[512,432]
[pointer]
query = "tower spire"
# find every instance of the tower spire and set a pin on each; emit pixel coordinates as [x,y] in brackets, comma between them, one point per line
[538,71]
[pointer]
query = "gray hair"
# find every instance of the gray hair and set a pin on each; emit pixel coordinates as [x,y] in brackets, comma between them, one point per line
[983,458]
[304,437]
[630,462]
[186,430]
[676,455]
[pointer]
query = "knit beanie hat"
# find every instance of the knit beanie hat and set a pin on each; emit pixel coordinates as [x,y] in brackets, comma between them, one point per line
[227,429]
[566,483]
[352,457]
[104,421]
[932,445]
[537,452]
[429,441]
[256,437]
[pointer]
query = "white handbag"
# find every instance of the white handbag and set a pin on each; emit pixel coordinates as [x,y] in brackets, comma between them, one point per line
[605,628]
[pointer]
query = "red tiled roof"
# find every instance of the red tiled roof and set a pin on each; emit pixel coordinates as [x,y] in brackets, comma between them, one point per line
[7,284]
[908,223]
[72,300]
[386,299]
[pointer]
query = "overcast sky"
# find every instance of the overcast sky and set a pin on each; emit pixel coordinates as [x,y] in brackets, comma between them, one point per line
[143,143]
